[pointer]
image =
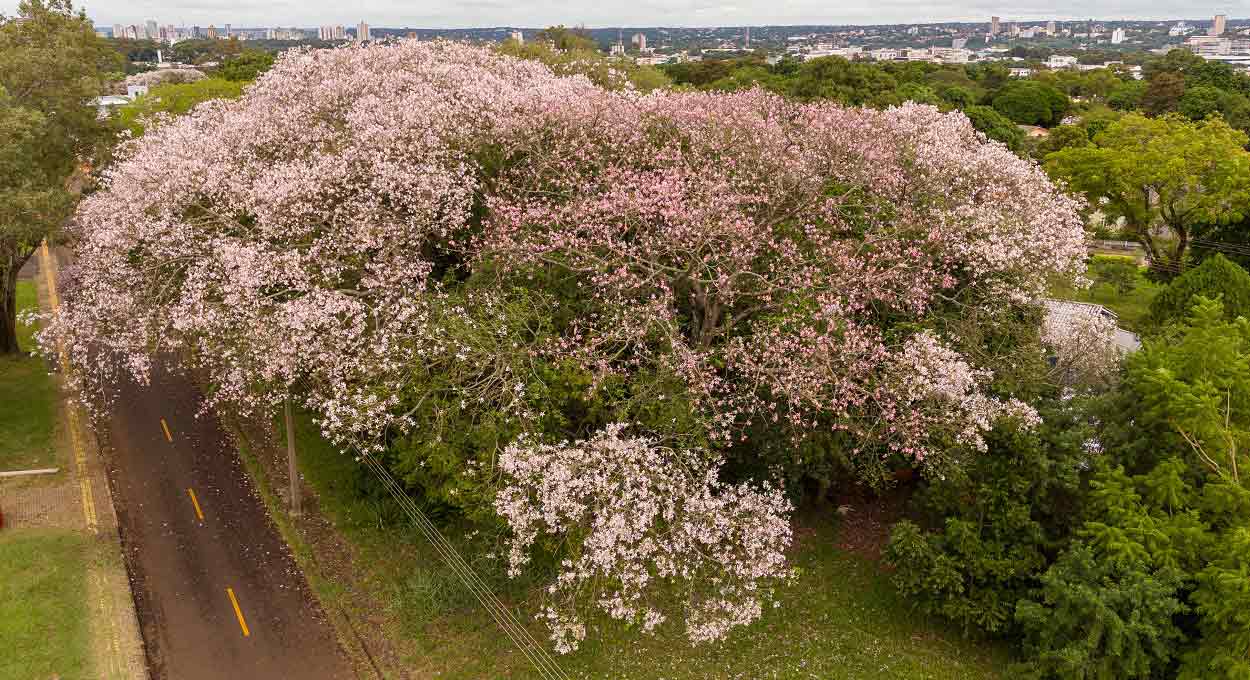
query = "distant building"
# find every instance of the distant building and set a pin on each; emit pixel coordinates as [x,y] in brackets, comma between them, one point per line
[639,40]
[1050,28]
[119,31]
[1218,25]
[1117,36]
[1178,30]
[134,91]
[1060,61]
[959,43]
[518,36]
[151,30]
[617,49]
[362,32]
[995,26]
[212,32]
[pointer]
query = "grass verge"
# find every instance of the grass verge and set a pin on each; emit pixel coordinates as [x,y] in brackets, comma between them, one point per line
[43,605]
[842,619]
[28,401]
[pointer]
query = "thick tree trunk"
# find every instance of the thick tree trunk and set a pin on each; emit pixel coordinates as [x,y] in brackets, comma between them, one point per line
[10,264]
[8,309]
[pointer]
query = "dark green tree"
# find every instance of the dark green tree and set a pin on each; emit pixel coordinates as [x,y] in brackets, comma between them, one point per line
[1215,277]
[1029,102]
[52,65]
[246,66]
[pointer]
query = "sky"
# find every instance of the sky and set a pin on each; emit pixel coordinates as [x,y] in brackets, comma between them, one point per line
[538,13]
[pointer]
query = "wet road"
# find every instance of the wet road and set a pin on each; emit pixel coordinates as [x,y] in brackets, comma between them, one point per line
[217,592]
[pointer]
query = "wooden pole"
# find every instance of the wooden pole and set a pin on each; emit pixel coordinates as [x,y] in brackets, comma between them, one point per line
[292,471]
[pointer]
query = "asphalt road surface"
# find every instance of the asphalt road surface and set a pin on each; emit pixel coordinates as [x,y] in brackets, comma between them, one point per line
[217,592]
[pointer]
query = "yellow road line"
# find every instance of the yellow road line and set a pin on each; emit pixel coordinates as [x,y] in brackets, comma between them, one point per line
[238,612]
[75,436]
[168,437]
[194,501]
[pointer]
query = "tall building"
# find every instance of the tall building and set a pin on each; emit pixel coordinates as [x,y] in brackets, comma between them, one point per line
[340,32]
[1050,28]
[747,42]
[1218,25]
[362,31]
[640,41]
[995,26]
[518,36]
[212,32]
[119,31]
[226,34]
[1117,36]
[150,30]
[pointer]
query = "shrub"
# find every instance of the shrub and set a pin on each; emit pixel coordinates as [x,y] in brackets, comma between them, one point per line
[1014,507]
[1216,277]
[1098,619]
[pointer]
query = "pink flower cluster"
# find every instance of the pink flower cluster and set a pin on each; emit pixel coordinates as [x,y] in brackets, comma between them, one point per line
[641,522]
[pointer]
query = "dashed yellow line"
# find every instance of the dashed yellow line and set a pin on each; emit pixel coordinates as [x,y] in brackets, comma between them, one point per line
[195,501]
[164,426]
[75,435]
[238,612]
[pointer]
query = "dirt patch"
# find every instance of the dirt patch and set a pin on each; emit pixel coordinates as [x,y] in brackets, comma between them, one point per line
[865,521]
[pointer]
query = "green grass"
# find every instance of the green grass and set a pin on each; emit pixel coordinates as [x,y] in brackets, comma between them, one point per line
[1133,306]
[841,619]
[43,605]
[28,402]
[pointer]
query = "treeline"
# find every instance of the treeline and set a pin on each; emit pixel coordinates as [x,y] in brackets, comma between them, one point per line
[995,101]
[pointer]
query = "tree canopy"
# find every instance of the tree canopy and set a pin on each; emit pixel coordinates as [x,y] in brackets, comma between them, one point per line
[52,65]
[1166,172]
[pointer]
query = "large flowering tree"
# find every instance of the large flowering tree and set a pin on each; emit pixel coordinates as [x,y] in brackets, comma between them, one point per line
[414,239]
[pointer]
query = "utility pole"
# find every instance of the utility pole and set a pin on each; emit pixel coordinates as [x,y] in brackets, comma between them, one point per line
[292,471]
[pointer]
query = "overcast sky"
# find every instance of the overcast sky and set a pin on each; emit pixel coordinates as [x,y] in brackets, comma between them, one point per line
[537,13]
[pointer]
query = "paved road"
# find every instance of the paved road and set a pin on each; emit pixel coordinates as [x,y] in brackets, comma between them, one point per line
[185,569]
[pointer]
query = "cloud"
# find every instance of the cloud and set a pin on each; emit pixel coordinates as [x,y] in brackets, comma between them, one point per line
[537,13]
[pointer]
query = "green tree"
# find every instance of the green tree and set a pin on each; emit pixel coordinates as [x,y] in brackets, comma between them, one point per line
[1199,102]
[1215,277]
[1127,96]
[835,78]
[1163,93]
[996,126]
[568,39]
[52,65]
[1029,102]
[175,100]
[1222,600]
[1198,383]
[246,66]
[1162,172]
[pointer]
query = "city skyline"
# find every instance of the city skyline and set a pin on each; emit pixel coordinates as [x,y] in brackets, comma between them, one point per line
[539,13]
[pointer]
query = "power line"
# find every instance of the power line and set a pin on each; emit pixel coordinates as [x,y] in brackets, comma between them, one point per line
[533,651]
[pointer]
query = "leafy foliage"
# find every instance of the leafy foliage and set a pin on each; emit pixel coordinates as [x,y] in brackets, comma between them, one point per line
[1030,102]
[174,100]
[1216,277]
[245,66]
[1168,172]
[999,524]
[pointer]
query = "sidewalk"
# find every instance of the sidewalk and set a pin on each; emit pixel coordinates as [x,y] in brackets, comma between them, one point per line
[77,501]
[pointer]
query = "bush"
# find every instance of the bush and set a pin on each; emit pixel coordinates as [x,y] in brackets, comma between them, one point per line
[1100,619]
[1014,508]
[1215,277]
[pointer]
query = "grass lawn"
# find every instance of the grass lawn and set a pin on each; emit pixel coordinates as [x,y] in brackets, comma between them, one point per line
[841,619]
[1132,306]
[43,605]
[28,402]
